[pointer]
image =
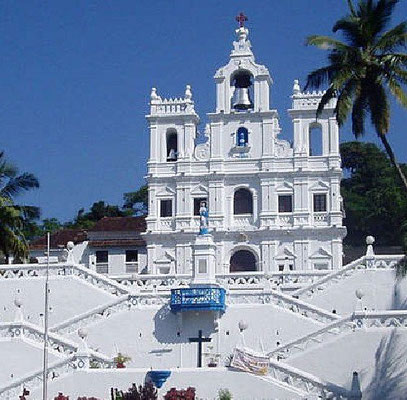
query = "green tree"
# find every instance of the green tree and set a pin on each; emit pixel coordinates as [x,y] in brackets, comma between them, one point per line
[137,201]
[99,209]
[374,202]
[14,217]
[364,69]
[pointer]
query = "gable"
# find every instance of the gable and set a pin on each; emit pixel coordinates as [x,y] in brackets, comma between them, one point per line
[166,192]
[285,254]
[321,253]
[320,185]
[284,187]
[199,190]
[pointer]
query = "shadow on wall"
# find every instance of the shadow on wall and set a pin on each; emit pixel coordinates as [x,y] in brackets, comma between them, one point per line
[399,299]
[389,378]
[173,328]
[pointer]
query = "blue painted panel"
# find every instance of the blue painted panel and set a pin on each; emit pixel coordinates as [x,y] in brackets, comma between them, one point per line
[199,298]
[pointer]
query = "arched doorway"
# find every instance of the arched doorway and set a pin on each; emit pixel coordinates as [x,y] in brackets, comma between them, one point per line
[243,261]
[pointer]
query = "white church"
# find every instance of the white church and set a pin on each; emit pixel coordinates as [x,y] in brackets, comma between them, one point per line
[233,281]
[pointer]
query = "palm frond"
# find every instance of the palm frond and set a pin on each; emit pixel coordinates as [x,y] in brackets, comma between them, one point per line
[327,96]
[345,100]
[398,92]
[359,114]
[325,43]
[379,108]
[16,185]
[394,38]
[320,77]
[350,28]
[351,8]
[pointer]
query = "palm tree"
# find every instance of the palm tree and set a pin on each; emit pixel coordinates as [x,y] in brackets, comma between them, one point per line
[13,217]
[364,68]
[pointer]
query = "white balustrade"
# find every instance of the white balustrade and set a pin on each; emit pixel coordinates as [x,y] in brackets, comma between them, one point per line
[320,218]
[357,320]
[23,271]
[243,220]
[285,220]
[376,262]
[286,302]
[166,224]
[152,283]
[55,371]
[307,383]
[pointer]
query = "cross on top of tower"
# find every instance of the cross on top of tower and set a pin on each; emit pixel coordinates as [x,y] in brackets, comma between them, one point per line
[241,19]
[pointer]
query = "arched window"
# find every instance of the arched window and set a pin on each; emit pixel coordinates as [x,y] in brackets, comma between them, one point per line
[242,137]
[243,202]
[315,140]
[243,84]
[172,146]
[243,261]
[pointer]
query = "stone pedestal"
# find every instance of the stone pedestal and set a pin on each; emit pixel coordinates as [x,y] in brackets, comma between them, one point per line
[204,261]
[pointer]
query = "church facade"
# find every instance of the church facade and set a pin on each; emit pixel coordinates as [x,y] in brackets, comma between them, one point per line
[273,206]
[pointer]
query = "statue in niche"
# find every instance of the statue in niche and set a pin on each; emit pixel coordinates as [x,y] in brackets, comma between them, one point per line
[203,218]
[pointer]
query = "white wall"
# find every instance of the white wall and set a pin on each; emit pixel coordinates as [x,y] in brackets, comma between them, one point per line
[68,297]
[207,383]
[150,336]
[380,288]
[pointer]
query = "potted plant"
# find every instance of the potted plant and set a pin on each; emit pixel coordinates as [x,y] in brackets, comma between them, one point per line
[120,360]
[212,357]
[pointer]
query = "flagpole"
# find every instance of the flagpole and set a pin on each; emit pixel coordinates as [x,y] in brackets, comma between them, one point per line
[45,358]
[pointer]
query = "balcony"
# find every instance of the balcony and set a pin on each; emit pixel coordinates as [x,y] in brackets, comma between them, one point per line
[198,299]
[243,220]
[321,218]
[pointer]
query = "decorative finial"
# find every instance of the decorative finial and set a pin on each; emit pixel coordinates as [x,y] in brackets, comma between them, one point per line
[296,87]
[241,19]
[188,93]
[153,94]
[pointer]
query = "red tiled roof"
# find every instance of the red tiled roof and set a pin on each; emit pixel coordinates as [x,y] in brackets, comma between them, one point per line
[117,243]
[115,224]
[59,239]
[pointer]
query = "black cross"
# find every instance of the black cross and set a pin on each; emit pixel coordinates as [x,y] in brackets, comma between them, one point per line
[199,340]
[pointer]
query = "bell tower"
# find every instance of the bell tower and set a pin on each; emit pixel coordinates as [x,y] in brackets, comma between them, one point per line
[242,84]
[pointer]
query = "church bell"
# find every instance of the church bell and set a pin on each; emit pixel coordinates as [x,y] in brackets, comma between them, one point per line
[241,99]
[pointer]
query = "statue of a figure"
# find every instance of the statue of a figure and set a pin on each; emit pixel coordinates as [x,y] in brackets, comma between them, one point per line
[203,218]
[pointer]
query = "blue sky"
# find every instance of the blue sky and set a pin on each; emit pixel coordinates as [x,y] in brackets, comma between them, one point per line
[76,77]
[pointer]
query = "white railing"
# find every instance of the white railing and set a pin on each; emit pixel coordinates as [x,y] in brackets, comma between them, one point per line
[55,371]
[27,331]
[285,220]
[307,383]
[357,320]
[172,106]
[22,271]
[57,344]
[380,319]
[281,300]
[153,283]
[304,343]
[167,224]
[107,310]
[288,280]
[320,218]
[243,220]
[376,262]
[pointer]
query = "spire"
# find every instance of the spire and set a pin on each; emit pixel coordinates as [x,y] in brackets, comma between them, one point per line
[242,46]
